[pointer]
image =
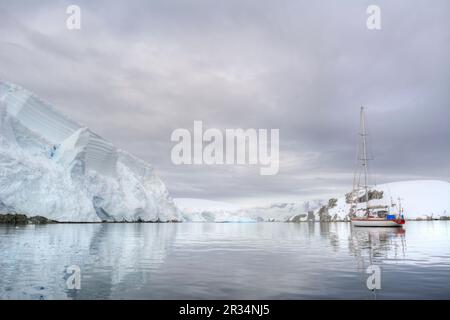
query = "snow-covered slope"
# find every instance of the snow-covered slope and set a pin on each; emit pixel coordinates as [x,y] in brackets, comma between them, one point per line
[53,167]
[283,211]
[420,199]
[200,210]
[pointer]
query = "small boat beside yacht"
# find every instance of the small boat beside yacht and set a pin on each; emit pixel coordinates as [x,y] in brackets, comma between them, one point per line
[363,213]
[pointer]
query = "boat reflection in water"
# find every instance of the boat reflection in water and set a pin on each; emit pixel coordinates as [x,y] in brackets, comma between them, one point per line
[376,246]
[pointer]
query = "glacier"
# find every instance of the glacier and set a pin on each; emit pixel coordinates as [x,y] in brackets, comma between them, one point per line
[51,166]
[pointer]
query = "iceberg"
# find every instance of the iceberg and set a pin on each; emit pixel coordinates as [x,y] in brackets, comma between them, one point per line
[53,167]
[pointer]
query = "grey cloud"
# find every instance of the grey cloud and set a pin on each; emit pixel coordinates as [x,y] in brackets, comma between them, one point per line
[136,72]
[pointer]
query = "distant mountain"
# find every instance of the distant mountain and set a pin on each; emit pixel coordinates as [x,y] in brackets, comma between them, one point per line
[53,167]
[200,210]
[420,199]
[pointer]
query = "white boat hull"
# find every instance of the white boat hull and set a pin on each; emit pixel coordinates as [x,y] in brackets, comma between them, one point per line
[375,223]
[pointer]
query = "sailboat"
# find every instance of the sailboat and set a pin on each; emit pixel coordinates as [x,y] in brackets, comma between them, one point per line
[362,213]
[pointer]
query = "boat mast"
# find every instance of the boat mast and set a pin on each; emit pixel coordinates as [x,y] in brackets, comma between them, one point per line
[400,209]
[364,158]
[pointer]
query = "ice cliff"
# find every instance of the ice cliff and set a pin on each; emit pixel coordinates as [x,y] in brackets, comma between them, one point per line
[52,166]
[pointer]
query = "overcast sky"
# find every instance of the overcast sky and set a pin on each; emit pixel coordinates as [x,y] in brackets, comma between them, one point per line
[137,70]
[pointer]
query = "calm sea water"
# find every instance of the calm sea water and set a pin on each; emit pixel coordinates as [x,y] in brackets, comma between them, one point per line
[225,261]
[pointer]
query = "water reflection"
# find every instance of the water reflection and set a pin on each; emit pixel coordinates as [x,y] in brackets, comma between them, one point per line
[108,254]
[375,245]
[224,261]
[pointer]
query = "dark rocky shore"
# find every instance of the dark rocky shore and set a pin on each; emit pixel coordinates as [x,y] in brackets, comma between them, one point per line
[15,218]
